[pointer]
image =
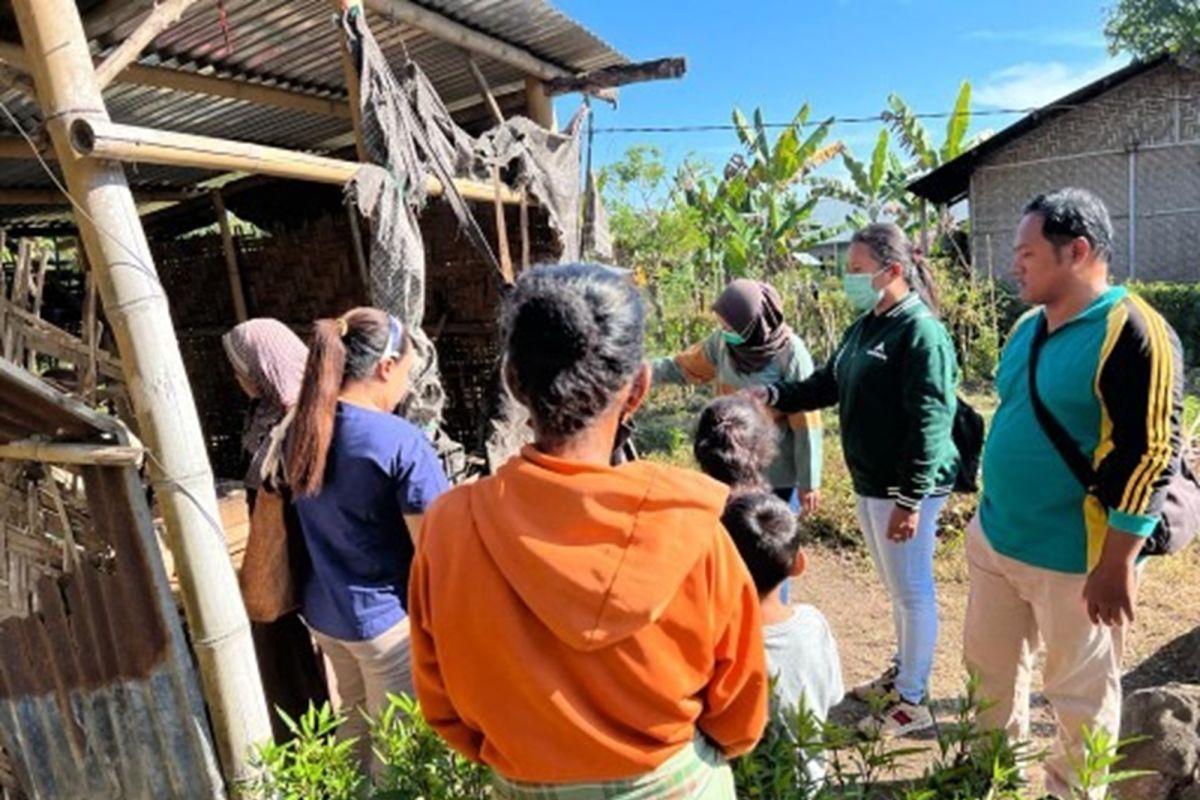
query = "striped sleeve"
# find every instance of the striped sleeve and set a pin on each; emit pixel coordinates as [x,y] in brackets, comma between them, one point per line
[807,434]
[1140,384]
[695,365]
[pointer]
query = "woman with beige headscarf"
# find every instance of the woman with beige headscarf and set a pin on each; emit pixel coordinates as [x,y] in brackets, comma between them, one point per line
[268,361]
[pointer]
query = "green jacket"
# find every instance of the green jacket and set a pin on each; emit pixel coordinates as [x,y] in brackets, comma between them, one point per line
[800,439]
[893,379]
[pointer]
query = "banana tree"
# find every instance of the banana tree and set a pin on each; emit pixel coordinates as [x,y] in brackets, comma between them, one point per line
[874,190]
[759,213]
[925,155]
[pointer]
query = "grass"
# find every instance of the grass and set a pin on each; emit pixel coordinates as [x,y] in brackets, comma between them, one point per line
[667,424]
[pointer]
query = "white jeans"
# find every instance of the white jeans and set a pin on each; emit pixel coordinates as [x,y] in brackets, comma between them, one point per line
[907,572]
[365,673]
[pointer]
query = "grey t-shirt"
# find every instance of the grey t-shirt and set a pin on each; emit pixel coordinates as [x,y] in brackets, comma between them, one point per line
[802,658]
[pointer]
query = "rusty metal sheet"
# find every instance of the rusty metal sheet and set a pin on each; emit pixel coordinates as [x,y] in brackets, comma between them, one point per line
[99,697]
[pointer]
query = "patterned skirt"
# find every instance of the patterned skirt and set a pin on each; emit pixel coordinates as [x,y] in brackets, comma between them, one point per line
[697,772]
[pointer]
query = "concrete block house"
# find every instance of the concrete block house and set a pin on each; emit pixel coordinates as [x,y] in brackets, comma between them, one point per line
[1133,137]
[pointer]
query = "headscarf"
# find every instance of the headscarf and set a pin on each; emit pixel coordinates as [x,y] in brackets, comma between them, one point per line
[754,311]
[270,358]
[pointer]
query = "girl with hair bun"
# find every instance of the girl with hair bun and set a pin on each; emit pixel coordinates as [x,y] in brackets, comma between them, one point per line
[362,478]
[610,643]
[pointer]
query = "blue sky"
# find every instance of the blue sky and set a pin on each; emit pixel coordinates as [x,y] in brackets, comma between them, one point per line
[842,56]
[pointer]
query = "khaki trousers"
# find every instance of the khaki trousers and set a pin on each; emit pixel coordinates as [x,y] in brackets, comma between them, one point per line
[1010,604]
[365,673]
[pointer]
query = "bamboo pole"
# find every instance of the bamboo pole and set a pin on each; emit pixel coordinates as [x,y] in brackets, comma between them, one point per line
[137,309]
[133,144]
[163,16]
[96,455]
[231,259]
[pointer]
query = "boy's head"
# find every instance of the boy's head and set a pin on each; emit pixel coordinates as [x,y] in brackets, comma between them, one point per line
[767,537]
[735,441]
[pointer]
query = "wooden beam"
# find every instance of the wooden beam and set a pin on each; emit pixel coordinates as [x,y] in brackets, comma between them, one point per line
[446,29]
[163,16]
[15,147]
[231,259]
[94,455]
[55,342]
[484,91]
[185,81]
[618,75]
[132,144]
[538,105]
[350,73]
[53,197]
[160,393]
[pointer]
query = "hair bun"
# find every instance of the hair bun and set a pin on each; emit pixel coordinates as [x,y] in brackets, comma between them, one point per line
[558,323]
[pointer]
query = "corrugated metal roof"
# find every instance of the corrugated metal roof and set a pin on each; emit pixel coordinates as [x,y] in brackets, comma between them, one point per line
[294,44]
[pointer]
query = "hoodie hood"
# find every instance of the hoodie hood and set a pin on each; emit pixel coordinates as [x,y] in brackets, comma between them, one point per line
[595,552]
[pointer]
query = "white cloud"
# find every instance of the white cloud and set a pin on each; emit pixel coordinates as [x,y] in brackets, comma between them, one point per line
[1086,38]
[1034,84]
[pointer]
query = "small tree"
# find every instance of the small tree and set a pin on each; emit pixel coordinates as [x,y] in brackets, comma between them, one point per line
[1147,28]
[655,232]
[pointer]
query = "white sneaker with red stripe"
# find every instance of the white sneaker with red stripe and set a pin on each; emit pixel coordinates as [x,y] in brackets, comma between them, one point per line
[877,688]
[899,718]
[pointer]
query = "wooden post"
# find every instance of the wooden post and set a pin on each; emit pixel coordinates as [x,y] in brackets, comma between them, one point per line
[350,71]
[136,307]
[538,105]
[231,259]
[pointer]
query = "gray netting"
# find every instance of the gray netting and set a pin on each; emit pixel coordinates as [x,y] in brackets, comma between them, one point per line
[409,135]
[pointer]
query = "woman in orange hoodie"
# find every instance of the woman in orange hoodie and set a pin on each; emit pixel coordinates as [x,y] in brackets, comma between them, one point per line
[586,630]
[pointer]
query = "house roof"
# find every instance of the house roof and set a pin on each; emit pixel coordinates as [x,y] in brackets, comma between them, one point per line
[292,45]
[950,182]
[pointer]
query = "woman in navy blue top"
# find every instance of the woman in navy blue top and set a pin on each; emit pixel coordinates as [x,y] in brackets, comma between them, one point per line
[362,477]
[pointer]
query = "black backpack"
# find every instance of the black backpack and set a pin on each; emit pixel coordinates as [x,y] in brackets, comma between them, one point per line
[967,433]
[1181,507]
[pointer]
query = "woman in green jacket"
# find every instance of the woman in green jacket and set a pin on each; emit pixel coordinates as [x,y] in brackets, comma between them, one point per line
[893,379]
[755,347]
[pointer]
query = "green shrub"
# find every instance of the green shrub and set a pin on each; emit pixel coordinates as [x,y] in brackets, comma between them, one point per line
[968,763]
[1179,303]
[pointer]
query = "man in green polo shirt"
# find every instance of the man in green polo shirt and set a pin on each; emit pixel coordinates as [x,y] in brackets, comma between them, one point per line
[1047,558]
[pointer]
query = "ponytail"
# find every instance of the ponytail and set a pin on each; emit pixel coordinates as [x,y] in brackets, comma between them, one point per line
[343,350]
[925,284]
[312,427]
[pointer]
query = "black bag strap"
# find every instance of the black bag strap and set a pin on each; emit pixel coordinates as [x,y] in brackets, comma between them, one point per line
[1075,460]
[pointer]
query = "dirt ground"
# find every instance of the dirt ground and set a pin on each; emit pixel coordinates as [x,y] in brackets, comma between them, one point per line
[844,586]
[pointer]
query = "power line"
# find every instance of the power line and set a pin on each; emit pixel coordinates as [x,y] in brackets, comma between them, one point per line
[882,117]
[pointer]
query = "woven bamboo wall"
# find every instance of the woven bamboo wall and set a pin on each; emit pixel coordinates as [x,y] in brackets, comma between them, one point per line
[44,529]
[308,272]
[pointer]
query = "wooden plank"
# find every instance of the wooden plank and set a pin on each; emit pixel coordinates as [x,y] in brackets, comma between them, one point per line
[618,75]
[163,16]
[72,453]
[57,343]
[484,90]
[185,81]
